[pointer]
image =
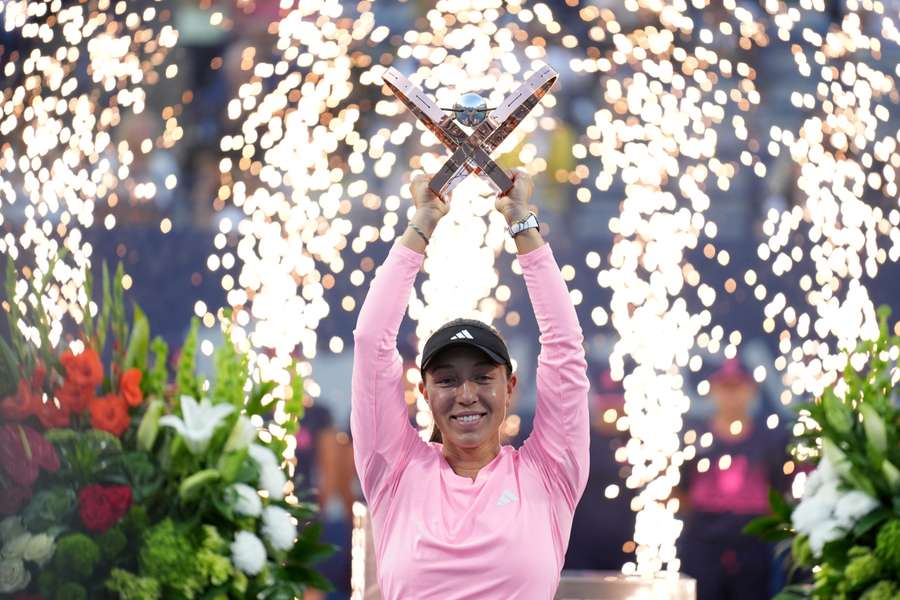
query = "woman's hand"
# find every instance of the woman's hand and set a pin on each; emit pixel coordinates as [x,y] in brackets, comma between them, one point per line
[515,206]
[429,210]
[429,207]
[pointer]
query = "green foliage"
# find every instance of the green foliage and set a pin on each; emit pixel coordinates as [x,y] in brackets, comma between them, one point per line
[213,566]
[112,543]
[168,556]
[887,546]
[860,436]
[185,380]
[138,341]
[293,407]
[76,557]
[98,338]
[883,590]
[49,508]
[85,455]
[14,315]
[129,586]
[154,384]
[70,591]
[135,523]
[119,323]
[9,372]
[231,375]
[863,568]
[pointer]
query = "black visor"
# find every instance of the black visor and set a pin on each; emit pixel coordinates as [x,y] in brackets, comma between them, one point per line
[466,332]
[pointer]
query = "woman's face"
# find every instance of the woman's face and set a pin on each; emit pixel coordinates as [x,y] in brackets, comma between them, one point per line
[469,395]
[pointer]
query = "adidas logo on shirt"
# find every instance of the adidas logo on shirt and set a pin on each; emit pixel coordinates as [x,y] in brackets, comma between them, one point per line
[508,497]
[462,334]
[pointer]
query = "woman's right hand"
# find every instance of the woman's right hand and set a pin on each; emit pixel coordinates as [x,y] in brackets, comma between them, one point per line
[429,207]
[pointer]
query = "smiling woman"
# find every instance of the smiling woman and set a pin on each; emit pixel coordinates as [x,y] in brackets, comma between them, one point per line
[461,516]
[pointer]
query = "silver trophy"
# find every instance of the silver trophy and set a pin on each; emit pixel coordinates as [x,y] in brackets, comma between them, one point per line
[471,153]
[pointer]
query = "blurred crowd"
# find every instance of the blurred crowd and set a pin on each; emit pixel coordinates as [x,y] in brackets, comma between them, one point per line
[740,448]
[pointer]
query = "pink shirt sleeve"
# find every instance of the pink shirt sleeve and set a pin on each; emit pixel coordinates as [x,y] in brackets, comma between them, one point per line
[383,437]
[559,442]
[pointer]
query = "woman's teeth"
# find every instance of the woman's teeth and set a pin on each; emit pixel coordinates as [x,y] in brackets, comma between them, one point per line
[468,418]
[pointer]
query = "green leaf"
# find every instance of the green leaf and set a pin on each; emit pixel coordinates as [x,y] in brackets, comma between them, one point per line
[871,520]
[308,548]
[155,383]
[9,372]
[779,505]
[191,487]
[184,376]
[254,403]
[138,342]
[766,527]
[105,309]
[837,413]
[230,463]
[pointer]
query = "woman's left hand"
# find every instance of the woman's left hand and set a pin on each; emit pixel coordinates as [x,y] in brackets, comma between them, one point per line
[514,205]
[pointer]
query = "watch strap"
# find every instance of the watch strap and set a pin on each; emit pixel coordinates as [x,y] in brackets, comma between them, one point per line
[529,222]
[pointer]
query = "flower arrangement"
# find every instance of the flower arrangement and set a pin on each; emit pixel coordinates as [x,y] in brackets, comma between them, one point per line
[117,483]
[845,530]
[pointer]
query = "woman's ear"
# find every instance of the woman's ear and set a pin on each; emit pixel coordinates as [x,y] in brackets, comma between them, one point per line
[423,390]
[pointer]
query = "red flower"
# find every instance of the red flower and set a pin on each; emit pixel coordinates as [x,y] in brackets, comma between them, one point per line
[16,456]
[130,387]
[23,452]
[84,370]
[74,398]
[101,506]
[109,413]
[12,498]
[50,415]
[20,405]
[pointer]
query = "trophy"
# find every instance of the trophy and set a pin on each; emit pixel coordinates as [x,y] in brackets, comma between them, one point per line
[471,153]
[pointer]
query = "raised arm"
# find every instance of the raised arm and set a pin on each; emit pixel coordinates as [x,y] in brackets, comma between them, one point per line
[382,434]
[559,442]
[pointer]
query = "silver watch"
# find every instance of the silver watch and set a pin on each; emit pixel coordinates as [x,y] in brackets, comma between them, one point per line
[529,222]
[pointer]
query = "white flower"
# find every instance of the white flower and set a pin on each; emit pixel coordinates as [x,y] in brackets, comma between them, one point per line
[262,456]
[13,575]
[11,527]
[198,422]
[853,506]
[247,501]
[248,553]
[823,533]
[242,434]
[278,528]
[812,512]
[15,548]
[824,473]
[272,479]
[40,549]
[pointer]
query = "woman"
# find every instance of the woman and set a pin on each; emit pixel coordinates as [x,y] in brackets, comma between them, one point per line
[468,518]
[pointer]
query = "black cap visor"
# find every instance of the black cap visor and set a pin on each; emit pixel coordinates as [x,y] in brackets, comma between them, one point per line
[496,358]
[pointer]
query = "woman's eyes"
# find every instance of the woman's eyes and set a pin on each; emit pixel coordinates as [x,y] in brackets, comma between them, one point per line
[450,381]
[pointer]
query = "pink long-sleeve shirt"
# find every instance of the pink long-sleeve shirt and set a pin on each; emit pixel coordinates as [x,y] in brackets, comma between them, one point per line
[440,535]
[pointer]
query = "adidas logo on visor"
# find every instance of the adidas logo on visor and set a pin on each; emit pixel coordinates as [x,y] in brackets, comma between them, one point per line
[462,334]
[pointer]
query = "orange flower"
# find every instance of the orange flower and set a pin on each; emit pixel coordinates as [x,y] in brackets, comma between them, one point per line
[84,370]
[109,413]
[74,398]
[20,405]
[130,387]
[49,415]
